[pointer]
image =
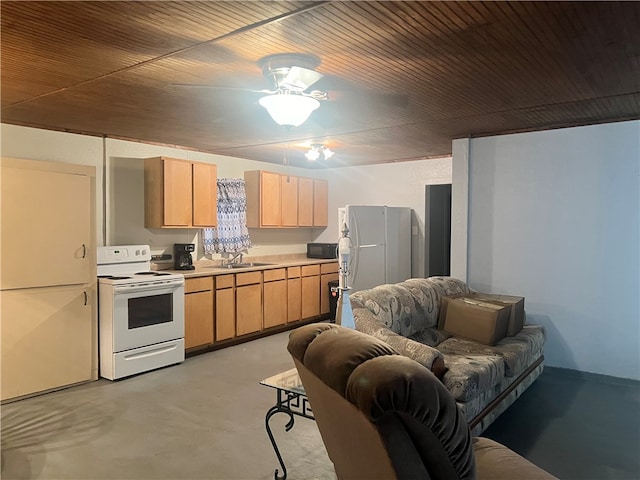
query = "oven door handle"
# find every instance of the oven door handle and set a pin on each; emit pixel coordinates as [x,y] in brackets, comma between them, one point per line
[147,287]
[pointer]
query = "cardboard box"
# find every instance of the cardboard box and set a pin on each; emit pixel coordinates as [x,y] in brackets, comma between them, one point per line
[483,322]
[444,302]
[516,320]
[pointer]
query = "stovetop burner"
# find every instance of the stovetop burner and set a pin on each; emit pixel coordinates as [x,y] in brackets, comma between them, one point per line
[130,265]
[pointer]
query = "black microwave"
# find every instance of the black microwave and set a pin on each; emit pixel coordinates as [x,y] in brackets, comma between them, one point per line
[322,250]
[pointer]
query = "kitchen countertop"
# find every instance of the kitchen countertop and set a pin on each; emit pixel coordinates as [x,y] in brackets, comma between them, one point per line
[206,268]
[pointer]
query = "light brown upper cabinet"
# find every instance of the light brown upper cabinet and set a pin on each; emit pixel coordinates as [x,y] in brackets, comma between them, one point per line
[263,198]
[320,202]
[179,193]
[275,200]
[305,202]
[289,200]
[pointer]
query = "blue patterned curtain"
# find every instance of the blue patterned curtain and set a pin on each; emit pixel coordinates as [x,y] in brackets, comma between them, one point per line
[231,235]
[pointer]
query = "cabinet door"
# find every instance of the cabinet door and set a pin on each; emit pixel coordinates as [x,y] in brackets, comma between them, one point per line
[289,200]
[177,192]
[46,236]
[310,296]
[47,339]
[294,300]
[198,319]
[205,195]
[305,202]
[225,314]
[270,199]
[275,303]
[320,203]
[248,309]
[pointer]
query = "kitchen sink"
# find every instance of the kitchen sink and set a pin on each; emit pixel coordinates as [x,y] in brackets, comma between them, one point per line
[232,266]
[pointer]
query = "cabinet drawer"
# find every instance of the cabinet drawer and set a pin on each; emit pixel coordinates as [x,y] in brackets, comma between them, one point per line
[310,270]
[329,268]
[248,278]
[224,281]
[200,284]
[293,272]
[276,274]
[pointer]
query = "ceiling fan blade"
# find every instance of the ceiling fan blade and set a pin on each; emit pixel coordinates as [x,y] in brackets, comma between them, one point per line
[300,78]
[342,90]
[220,87]
[367,96]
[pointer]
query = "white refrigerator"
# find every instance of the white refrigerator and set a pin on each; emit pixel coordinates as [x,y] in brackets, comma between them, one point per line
[380,244]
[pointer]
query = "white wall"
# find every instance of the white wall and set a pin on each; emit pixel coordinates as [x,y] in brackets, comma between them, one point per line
[120,205]
[555,216]
[125,208]
[35,144]
[399,184]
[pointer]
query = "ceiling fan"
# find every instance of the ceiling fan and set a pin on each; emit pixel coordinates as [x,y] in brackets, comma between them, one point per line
[291,100]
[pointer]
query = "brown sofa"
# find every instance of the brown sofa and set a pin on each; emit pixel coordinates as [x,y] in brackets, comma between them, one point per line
[484,380]
[384,416]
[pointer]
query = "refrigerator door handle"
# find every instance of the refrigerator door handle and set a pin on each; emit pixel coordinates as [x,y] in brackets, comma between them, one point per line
[356,250]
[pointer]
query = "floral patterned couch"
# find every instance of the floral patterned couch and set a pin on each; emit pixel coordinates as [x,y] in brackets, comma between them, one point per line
[484,380]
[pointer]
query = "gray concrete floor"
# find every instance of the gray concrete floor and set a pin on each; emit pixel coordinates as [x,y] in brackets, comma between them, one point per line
[578,426]
[204,419]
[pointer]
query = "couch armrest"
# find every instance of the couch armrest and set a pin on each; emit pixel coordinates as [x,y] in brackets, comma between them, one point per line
[423,354]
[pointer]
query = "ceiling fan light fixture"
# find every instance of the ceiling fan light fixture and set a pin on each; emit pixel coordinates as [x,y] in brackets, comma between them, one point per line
[313,153]
[289,109]
[316,150]
[327,153]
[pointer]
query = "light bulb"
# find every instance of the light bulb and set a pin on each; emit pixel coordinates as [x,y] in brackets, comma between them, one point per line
[313,154]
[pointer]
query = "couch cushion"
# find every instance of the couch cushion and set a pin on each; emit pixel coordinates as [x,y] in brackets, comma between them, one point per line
[410,306]
[427,293]
[497,462]
[429,336]
[468,376]
[518,351]
[391,305]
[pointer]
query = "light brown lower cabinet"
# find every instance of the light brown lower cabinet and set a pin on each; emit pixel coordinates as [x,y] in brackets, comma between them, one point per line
[222,307]
[248,302]
[225,308]
[275,295]
[310,291]
[198,312]
[294,295]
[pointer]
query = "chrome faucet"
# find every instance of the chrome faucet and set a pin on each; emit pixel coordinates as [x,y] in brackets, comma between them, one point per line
[236,258]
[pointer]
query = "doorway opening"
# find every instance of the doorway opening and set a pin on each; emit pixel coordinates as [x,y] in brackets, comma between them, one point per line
[437,225]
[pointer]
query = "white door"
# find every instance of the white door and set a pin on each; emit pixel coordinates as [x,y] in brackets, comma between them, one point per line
[46,228]
[47,339]
[144,315]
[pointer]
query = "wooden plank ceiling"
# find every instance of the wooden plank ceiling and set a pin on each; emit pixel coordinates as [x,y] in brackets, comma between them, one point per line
[465,69]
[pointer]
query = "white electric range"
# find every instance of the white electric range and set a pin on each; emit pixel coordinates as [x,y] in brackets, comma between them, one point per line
[140,313]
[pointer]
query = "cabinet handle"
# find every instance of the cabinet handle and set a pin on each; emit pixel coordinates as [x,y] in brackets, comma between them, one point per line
[86,298]
[84,251]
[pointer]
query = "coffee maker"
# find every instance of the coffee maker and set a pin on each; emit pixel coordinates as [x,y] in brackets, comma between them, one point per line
[182,256]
